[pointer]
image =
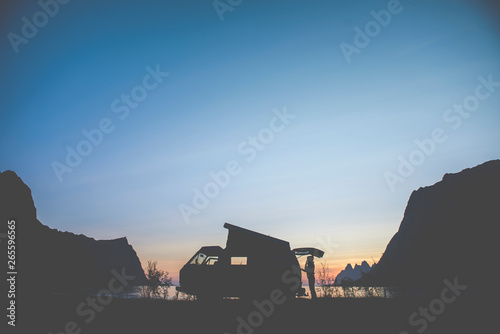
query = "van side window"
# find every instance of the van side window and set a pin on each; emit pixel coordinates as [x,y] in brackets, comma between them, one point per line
[238,260]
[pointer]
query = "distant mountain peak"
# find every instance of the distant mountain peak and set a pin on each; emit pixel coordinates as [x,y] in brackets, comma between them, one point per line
[352,274]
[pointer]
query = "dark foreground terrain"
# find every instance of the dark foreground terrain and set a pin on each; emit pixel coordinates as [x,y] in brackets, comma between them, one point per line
[63,314]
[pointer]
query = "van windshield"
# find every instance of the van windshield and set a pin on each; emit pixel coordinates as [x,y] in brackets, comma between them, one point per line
[202,259]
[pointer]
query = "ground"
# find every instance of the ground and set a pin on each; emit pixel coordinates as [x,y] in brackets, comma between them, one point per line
[70,314]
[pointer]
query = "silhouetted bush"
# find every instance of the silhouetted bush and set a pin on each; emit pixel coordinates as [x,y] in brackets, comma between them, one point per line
[325,282]
[157,283]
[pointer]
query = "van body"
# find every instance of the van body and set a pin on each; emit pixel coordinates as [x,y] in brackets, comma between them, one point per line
[252,264]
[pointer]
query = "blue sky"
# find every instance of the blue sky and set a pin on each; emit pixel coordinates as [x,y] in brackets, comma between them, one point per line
[320,182]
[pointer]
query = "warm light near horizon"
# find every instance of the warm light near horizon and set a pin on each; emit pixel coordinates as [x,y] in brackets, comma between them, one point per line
[335,265]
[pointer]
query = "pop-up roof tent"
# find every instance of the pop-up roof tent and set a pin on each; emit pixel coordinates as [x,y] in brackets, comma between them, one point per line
[263,249]
[242,240]
[259,248]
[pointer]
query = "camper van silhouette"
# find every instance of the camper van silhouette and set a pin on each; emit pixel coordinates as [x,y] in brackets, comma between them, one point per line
[251,265]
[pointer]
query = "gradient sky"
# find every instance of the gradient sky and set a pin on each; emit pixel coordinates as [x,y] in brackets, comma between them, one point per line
[319,183]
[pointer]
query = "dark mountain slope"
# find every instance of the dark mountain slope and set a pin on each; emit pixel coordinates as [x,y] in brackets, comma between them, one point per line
[449,230]
[50,260]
